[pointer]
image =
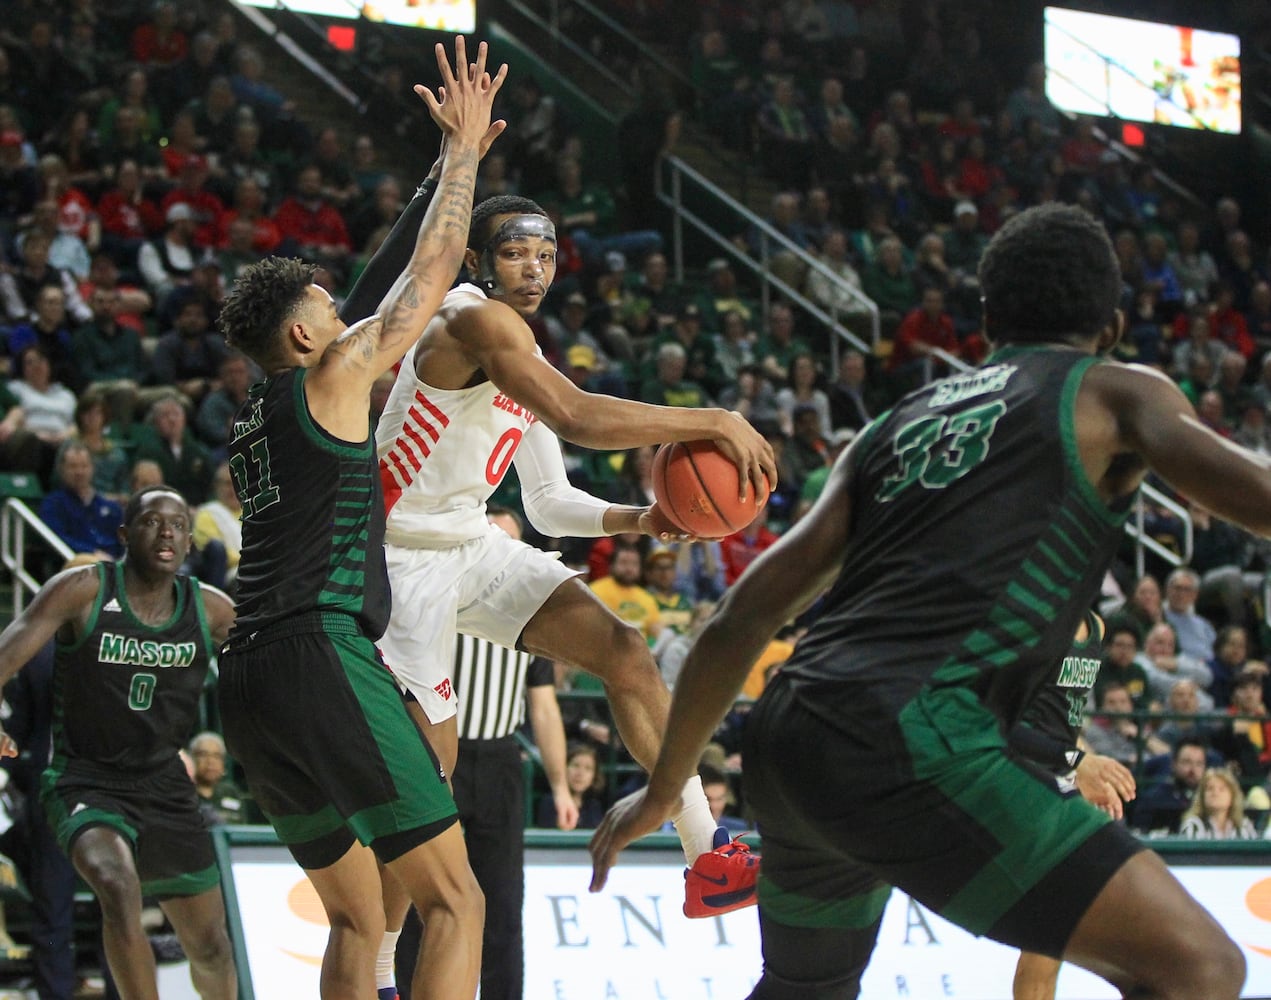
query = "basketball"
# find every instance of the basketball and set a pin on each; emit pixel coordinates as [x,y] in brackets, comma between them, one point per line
[696,488]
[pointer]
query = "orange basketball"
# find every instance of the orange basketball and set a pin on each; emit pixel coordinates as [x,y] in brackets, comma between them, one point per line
[696,487]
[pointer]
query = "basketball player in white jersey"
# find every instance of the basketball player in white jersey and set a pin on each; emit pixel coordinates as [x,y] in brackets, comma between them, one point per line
[474,396]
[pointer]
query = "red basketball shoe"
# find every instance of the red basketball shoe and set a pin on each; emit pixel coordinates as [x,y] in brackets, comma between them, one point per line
[722,880]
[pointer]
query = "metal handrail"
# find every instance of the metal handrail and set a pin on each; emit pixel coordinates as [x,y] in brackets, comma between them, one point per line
[759,266]
[576,51]
[953,361]
[647,53]
[15,518]
[293,49]
[1144,541]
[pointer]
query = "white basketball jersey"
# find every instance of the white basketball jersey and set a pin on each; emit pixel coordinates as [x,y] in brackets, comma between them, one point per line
[442,453]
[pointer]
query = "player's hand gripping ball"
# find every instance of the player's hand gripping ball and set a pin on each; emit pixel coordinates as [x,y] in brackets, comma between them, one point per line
[697,488]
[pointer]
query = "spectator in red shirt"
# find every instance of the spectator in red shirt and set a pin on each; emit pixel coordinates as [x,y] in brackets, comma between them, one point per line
[128,216]
[923,328]
[1227,323]
[208,209]
[75,211]
[310,223]
[130,302]
[249,204]
[183,144]
[159,42]
[976,175]
[963,123]
[742,548]
[1081,151]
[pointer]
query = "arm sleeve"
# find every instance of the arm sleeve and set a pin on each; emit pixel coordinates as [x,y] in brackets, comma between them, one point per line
[152,271]
[1042,749]
[75,304]
[540,673]
[15,309]
[553,506]
[390,259]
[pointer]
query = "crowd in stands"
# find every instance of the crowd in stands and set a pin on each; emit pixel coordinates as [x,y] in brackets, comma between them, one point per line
[145,160]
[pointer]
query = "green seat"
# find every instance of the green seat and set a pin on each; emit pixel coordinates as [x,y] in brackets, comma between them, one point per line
[23,485]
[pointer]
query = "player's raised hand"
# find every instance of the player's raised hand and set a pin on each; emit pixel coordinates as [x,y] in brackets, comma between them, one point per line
[627,821]
[462,104]
[749,451]
[7,747]
[496,129]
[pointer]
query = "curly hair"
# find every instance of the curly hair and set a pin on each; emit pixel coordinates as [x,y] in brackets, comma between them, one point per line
[264,296]
[481,228]
[1049,274]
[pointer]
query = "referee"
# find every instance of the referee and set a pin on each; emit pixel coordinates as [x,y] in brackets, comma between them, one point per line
[494,686]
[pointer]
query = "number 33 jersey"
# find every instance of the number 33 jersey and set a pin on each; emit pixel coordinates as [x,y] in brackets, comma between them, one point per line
[978,542]
[443,452]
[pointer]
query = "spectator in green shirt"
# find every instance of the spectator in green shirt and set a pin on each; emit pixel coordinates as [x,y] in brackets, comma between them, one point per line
[166,440]
[110,357]
[778,346]
[590,216]
[669,386]
[702,366]
[890,284]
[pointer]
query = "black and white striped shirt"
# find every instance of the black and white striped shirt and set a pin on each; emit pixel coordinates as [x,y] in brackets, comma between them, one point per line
[490,682]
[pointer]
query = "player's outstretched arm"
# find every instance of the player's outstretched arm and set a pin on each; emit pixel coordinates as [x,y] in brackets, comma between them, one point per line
[780,584]
[461,108]
[1148,415]
[58,603]
[394,254]
[558,509]
[498,341]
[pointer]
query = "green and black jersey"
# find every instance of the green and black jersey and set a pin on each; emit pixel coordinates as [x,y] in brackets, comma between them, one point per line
[126,695]
[1052,721]
[977,544]
[313,514]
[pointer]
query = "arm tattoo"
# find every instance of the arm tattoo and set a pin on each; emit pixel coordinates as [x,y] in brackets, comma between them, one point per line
[438,254]
[359,347]
[403,319]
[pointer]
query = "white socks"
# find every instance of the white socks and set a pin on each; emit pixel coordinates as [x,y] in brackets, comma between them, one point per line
[694,822]
[384,960]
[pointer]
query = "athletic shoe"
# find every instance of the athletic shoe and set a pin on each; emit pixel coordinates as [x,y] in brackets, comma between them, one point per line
[722,880]
[387,993]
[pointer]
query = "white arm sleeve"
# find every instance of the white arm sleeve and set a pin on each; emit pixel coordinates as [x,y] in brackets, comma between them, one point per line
[553,506]
[150,264]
